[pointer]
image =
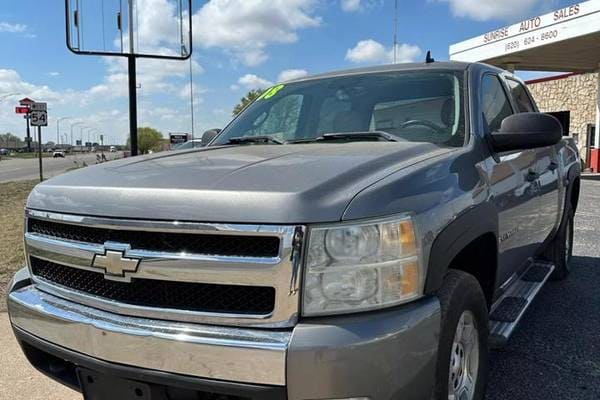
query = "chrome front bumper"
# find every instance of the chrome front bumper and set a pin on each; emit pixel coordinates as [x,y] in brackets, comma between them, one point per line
[231,354]
[382,355]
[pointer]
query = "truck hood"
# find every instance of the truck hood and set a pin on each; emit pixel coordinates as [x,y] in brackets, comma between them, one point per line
[300,183]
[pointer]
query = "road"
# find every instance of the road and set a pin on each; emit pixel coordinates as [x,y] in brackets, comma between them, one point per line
[19,169]
[553,355]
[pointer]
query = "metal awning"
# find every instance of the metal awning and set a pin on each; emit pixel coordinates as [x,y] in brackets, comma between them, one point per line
[563,40]
[567,40]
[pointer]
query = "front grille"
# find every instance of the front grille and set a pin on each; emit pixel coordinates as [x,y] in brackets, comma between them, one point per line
[190,296]
[192,243]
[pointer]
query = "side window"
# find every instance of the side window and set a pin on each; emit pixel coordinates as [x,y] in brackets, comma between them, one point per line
[521,97]
[494,103]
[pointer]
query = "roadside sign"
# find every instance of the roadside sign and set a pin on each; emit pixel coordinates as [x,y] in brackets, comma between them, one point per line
[21,110]
[26,101]
[39,106]
[39,118]
[176,138]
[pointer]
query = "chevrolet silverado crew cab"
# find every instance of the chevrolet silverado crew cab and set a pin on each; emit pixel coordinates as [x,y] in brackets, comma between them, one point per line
[364,234]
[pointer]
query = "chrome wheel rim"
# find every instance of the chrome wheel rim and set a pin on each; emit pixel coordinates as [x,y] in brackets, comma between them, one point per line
[464,359]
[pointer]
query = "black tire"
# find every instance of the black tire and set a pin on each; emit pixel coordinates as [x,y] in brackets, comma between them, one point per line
[560,250]
[460,293]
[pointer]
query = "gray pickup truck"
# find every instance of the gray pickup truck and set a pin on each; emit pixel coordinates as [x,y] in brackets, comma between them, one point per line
[359,235]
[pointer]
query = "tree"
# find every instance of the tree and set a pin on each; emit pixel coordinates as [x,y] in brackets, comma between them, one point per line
[247,99]
[10,141]
[148,139]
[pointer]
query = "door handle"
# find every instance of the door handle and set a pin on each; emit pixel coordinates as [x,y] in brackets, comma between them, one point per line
[553,166]
[532,176]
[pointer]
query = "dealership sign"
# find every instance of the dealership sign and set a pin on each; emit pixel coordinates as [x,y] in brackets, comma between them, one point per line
[566,23]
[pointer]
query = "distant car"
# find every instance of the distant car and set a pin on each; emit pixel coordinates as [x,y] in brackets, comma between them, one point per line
[4,152]
[58,154]
[113,149]
[190,144]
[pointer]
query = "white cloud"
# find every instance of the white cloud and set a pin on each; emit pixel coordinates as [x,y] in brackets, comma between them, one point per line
[372,52]
[53,74]
[350,5]
[291,74]
[153,76]
[12,28]
[11,82]
[242,29]
[245,28]
[251,81]
[483,10]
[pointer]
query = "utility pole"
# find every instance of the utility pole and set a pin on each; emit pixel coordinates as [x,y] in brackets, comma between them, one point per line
[395,31]
[192,97]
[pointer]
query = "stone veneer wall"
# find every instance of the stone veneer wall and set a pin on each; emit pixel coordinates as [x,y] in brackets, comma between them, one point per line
[575,93]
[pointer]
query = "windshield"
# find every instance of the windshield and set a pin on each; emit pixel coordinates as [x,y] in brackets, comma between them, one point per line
[423,106]
[187,145]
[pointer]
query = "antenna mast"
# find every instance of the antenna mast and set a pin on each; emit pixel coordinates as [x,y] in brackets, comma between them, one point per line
[395,31]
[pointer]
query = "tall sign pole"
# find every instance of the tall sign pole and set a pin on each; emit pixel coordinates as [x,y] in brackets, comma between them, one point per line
[132,86]
[74,39]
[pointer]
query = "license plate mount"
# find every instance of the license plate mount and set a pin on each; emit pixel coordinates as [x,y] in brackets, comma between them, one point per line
[97,386]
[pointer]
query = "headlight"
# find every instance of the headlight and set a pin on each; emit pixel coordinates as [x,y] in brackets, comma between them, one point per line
[360,267]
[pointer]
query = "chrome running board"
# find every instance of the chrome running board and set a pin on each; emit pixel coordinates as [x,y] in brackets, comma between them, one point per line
[508,310]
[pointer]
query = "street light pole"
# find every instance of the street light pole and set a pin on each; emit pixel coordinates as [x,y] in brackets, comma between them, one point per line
[58,128]
[73,125]
[81,129]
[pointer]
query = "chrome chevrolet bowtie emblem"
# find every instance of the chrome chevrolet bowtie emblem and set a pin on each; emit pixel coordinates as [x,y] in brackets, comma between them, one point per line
[114,262]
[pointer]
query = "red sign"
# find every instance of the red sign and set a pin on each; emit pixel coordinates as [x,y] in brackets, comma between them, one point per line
[26,101]
[21,110]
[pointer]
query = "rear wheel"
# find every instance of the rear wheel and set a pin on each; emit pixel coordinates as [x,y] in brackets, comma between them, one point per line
[462,362]
[560,250]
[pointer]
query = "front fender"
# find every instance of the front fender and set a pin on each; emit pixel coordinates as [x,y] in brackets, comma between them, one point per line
[475,222]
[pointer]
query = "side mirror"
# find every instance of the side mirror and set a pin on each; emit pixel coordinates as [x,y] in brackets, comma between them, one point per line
[209,135]
[527,131]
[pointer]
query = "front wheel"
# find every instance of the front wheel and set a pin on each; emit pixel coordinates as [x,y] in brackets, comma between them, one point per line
[462,363]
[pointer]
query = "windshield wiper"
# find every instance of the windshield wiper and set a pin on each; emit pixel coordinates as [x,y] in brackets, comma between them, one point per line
[254,139]
[367,135]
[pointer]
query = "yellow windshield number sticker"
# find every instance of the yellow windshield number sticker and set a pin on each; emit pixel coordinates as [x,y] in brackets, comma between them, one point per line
[271,92]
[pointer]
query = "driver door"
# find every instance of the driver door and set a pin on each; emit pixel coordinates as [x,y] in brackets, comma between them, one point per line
[513,186]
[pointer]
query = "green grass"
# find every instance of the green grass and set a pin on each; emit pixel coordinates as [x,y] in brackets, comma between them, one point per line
[28,155]
[12,202]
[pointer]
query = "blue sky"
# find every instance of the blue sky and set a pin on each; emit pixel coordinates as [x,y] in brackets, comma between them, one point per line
[239,45]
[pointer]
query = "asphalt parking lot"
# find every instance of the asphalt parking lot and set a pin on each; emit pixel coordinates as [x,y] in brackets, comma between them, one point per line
[555,353]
